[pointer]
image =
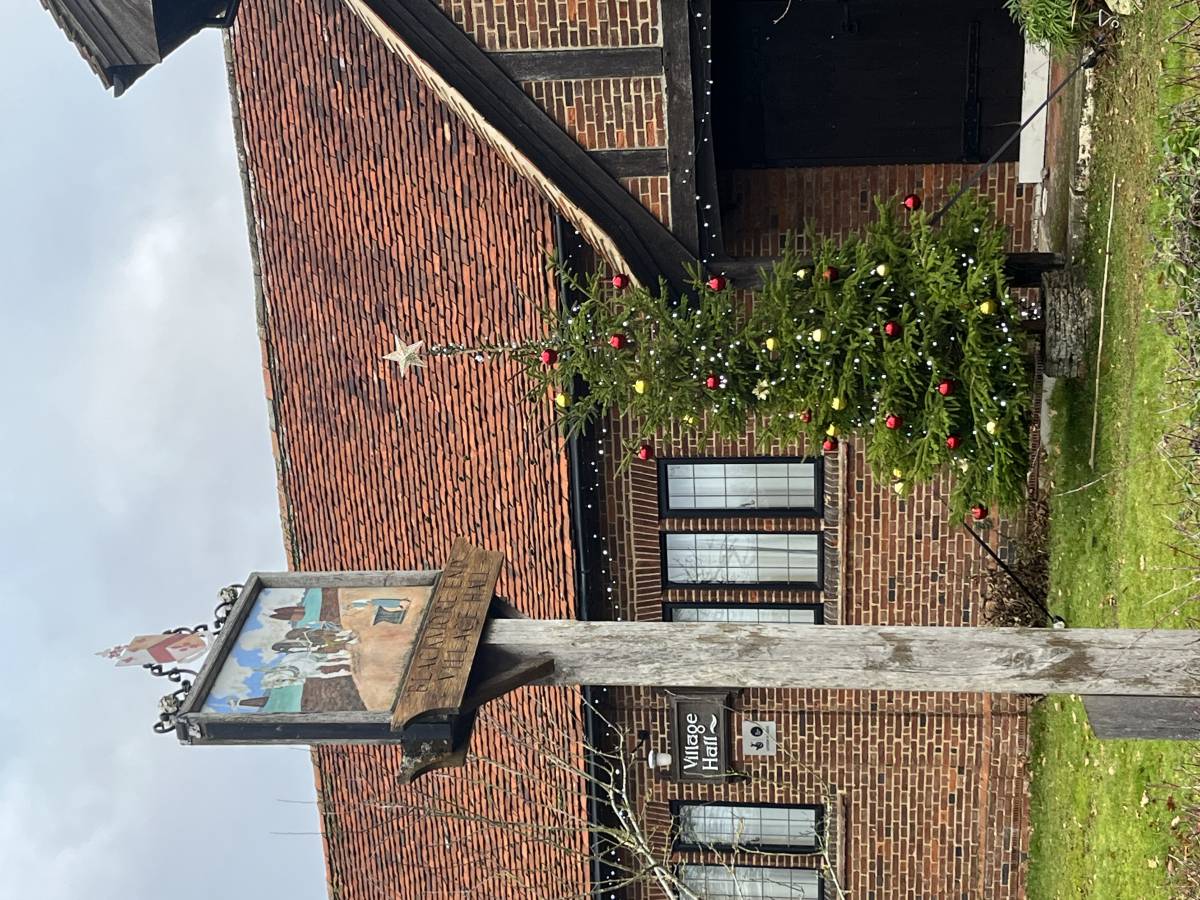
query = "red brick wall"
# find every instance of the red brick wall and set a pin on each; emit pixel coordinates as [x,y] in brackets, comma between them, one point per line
[931,789]
[766,204]
[654,192]
[925,794]
[606,113]
[556,24]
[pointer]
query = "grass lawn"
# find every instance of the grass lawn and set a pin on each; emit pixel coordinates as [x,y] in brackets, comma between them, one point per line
[1101,818]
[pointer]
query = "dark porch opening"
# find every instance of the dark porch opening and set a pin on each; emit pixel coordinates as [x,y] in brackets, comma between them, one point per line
[863,82]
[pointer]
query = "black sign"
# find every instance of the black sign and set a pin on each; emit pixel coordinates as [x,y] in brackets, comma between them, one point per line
[699,738]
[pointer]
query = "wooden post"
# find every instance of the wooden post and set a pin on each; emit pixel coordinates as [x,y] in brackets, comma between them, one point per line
[1000,660]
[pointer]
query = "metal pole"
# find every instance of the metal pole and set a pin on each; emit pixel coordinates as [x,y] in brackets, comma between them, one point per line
[1087,62]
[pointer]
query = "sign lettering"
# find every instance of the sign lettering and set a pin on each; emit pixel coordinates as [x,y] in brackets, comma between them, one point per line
[699,738]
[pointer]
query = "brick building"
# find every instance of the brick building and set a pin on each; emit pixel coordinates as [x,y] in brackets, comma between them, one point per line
[408,167]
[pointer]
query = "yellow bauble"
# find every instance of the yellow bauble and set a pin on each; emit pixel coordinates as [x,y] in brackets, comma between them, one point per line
[562,401]
[898,487]
[882,270]
[988,307]
[991,427]
[832,431]
[772,344]
[838,403]
[896,473]
[689,419]
[639,386]
[802,274]
[818,334]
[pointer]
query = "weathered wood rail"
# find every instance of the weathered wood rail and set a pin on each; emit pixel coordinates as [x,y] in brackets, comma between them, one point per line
[1000,660]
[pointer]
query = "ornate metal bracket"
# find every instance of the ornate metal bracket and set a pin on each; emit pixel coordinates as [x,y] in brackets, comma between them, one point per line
[170,704]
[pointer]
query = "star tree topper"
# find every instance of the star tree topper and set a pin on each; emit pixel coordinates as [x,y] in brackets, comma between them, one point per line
[406,356]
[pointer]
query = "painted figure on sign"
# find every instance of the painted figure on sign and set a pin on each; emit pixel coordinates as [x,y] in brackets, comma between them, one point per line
[388,610]
[325,638]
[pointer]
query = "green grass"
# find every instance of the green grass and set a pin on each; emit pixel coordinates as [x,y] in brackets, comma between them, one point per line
[1102,826]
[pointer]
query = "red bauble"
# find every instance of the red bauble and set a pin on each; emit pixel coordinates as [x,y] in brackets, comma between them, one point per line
[620,282]
[979,511]
[712,382]
[911,202]
[946,388]
[893,422]
[953,442]
[806,415]
[549,356]
[829,444]
[830,274]
[618,341]
[645,452]
[716,283]
[892,329]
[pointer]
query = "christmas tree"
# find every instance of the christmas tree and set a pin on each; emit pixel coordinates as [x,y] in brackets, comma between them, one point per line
[904,336]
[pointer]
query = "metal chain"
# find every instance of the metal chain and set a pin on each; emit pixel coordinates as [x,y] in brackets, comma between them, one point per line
[170,704]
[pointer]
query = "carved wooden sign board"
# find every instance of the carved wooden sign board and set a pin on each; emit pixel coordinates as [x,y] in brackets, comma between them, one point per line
[356,657]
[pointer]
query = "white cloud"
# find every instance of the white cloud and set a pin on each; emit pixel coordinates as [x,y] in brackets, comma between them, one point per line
[137,479]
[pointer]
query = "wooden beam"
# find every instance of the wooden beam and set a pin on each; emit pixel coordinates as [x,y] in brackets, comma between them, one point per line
[681,121]
[1022,269]
[1151,718]
[1001,660]
[744,271]
[555,65]
[439,664]
[1027,269]
[632,163]
[608,217]
[498,672]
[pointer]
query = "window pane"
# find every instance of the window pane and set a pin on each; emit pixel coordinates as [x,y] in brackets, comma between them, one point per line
[762,827]
[766,614]
[742,558]
[740,486]
[745,882]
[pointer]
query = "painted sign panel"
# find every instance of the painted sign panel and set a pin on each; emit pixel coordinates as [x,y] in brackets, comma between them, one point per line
[319,650]
[327,658]
[699,738]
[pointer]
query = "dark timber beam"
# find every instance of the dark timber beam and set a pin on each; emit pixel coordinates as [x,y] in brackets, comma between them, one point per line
[632,163]
[623,231]
[556,65]
[1022,269]
[681,121]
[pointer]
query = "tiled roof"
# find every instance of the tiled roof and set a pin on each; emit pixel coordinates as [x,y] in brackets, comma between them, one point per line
[377,213]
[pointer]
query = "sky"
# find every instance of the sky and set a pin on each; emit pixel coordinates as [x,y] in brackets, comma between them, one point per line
[137,480]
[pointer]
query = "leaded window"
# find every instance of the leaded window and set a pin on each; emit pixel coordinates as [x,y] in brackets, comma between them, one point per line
[745,882]
[742,559]
[763,827]
[754,613]
[739,486]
